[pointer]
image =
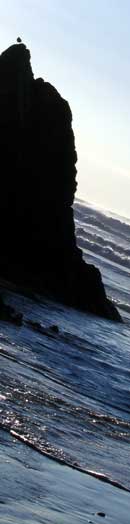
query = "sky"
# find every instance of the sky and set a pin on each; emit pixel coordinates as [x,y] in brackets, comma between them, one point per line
[83,48]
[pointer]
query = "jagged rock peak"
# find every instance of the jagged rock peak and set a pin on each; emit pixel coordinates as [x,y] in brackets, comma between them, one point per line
[15,58]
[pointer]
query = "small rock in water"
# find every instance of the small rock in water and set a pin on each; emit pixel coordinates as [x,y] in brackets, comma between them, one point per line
[100,514]
[19,40]
[54,328]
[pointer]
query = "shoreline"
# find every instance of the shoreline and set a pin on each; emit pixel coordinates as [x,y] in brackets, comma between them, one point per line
[35,489]
[100,476]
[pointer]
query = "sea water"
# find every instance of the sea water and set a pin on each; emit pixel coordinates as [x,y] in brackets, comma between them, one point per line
[66,392]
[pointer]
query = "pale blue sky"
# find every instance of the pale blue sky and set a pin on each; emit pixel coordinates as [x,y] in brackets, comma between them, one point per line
[83,48]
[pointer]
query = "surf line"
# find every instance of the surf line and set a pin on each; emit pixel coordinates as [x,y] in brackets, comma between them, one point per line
[95,474]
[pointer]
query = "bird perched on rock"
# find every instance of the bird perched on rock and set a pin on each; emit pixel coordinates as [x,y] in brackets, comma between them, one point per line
[19,40]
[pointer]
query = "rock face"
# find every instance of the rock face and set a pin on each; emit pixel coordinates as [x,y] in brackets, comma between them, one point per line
[38,183]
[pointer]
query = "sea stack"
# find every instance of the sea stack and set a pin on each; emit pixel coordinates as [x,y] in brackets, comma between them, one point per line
[38,183]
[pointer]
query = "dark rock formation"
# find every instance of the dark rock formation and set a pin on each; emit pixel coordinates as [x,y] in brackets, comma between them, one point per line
[9,314]
[38,183]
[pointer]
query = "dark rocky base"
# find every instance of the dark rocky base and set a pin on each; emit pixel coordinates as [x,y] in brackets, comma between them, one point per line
[83,291]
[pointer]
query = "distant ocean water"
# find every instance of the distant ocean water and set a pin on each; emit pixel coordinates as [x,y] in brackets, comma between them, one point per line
[67,393]
[105,241]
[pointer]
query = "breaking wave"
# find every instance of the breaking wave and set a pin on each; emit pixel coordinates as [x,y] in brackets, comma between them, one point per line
[106,236]
[104,222]
[104,251]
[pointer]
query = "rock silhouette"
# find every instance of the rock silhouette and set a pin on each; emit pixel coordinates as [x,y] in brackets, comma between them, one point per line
[38,183]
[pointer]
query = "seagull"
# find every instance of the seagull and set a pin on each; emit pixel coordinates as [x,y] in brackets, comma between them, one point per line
[19,40]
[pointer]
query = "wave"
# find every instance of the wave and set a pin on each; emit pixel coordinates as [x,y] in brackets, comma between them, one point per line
[122,305]
[81,232]
[106,236]
[105,251]
[74,465]
[102,221]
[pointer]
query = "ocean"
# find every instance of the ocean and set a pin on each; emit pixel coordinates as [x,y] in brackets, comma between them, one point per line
[65,394]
